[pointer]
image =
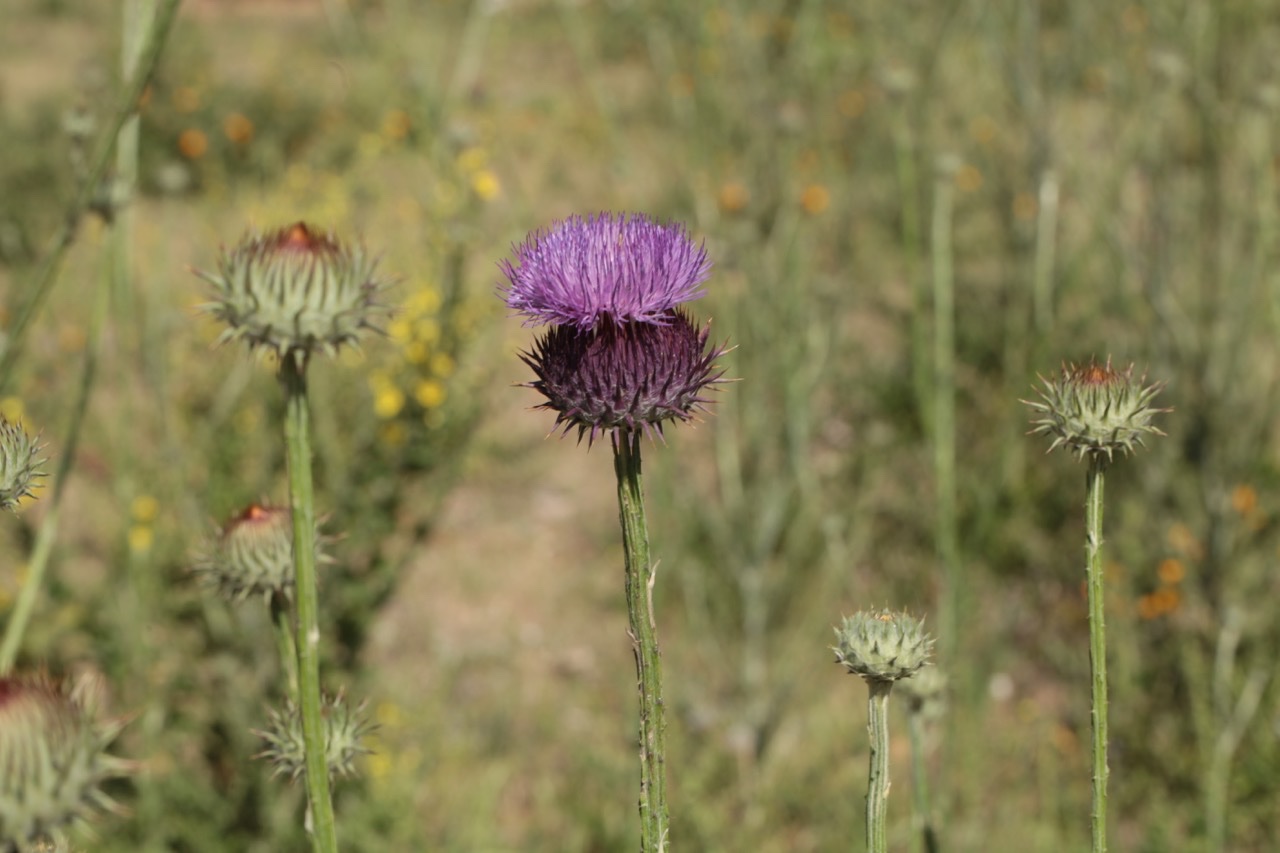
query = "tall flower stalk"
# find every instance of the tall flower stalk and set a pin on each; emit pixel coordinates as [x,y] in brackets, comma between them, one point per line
[621,358]
[1095,411]
[294,292]
[882,647]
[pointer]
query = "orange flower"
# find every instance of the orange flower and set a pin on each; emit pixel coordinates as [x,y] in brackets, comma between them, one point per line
[1171,571]
[1244,499]
[237,128]
[193,143]
[733,197]
[815,199]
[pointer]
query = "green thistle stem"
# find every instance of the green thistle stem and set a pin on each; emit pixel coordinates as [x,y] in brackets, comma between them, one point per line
[1097,644]
[926,836]
[286,644]
[944,413]
[878,773]
[297,436]
[38,567]
[148,56]
[644,641]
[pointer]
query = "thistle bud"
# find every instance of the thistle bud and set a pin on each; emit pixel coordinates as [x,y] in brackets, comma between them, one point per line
[926,692]
[294,291]
[53,759]
[882,645]
[19,464]
[1094,409]
[344,729]
[253,554]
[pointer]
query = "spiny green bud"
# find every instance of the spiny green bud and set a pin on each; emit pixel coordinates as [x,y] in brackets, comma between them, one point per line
[1094,409]
[294,291]
[926,692]
[53,759]
[253,554]
[344,729]
[881,645]
[19,464]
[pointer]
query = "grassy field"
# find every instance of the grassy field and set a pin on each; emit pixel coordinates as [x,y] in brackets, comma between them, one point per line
[1079,180]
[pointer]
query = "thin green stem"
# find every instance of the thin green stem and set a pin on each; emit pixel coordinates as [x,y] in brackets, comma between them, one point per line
[878,772]
[925,834]
[286,643]
[297,436]
[38,567]
[149,54]
[644,641]
[944,411]
[1097,644]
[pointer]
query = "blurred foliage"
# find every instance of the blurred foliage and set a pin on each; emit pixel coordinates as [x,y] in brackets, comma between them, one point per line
[1115,171]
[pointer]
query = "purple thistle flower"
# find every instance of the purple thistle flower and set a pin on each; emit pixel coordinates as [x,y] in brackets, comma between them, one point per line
[627,268]
[632,376]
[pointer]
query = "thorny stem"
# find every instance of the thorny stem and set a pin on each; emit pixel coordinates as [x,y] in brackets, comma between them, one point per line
[926,835]
[297,432]
[644,641]
[1097,645]
[878,772]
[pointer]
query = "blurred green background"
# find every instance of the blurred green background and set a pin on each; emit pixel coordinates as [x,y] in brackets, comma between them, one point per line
[1093,178]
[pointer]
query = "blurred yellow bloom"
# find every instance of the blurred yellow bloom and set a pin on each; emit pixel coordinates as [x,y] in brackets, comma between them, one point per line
[388,715]
[377,764]
[427,330]
[388,401]
[424,301]
[815,199]
[400,330]
[144,509]
[192,143]
[140,538]
[968,178]
[12,409]
[733,197]
[237,128]
[442,364]
[429,393]
[395,125]
[416,352]
[1244,499]
[1171,571]
[486,185]
[472,159]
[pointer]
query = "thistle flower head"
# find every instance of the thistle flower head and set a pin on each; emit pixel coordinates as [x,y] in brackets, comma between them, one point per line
[19,463]
[1096,410]
[53,759]
[627,268]
[881,645]
[295,291]
[252,554]
[634,376]
[344,730]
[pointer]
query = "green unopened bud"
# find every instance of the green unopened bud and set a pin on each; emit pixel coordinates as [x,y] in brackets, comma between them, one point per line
[344,729]
[295,291]
[1096,410]
[882,645]
[926,692]
[19,464]
[253,554]
[53,759]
